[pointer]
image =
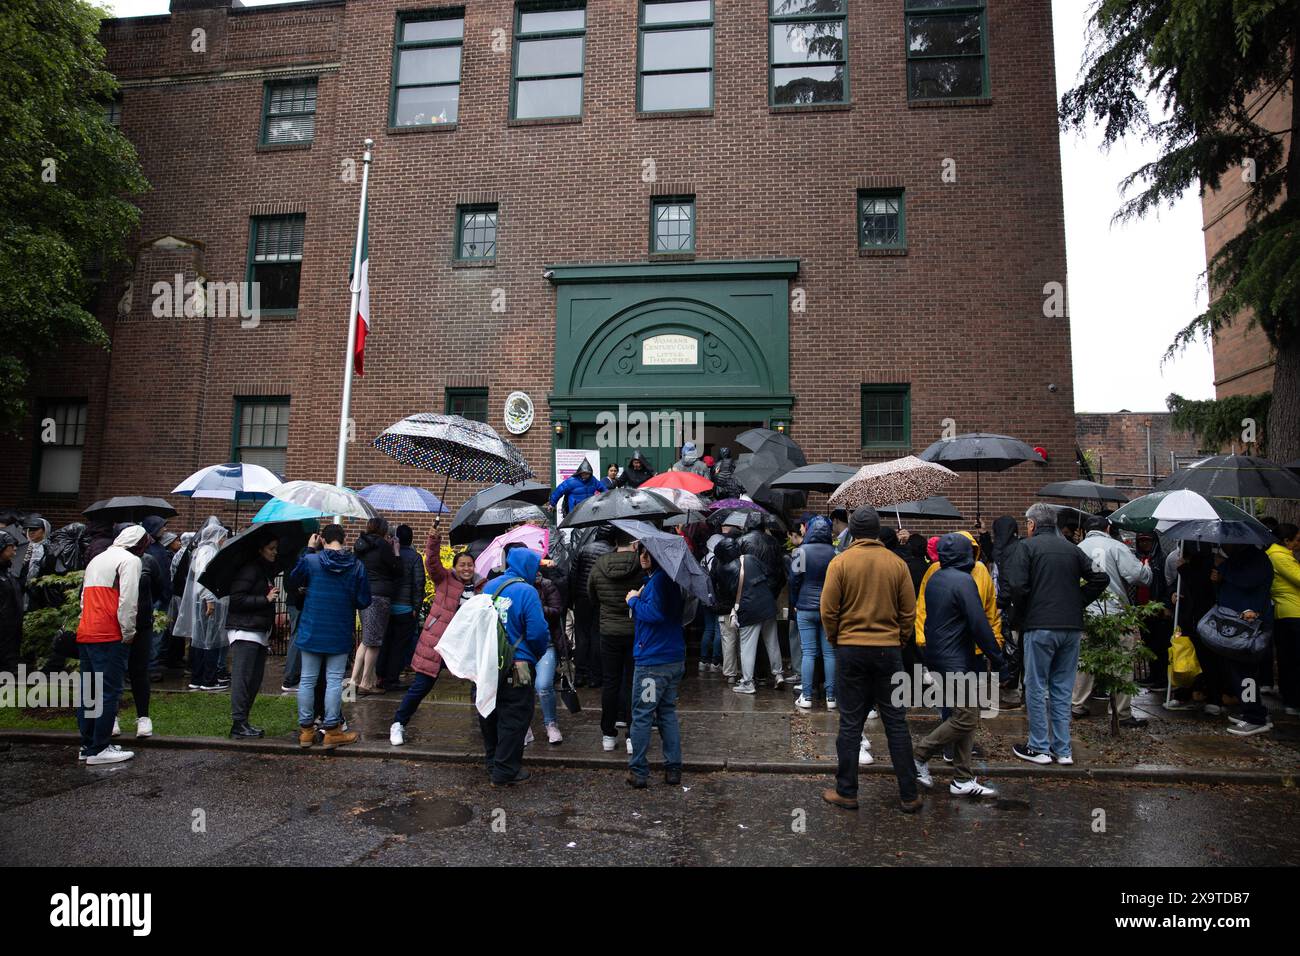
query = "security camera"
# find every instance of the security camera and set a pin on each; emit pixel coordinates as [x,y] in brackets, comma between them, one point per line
[548,274]
[1052,388]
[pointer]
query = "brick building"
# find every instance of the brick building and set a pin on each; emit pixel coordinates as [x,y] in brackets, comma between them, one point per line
[1133,449]
[839,219]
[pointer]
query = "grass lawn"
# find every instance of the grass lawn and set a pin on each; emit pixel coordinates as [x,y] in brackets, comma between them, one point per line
[173,715]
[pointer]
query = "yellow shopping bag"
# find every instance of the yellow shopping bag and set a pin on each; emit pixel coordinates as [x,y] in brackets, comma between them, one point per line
[1183,665]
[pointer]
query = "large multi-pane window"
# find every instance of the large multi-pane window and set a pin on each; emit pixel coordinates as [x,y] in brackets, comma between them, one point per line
[471,403]
[113,111]
[275,260]
[886,416]
[426,68]
[672,224]
[262,431]
[880,220]
[476,232]
[548,60]
[60,439]
[946,49]
[289,111]
[809,60]
[676,55]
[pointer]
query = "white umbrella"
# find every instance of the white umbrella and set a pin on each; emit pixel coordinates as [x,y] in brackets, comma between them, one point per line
[233,481]
[680,497]
[326,499]
[1184,505]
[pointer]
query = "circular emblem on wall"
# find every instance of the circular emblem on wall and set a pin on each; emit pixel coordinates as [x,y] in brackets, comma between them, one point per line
[519,413]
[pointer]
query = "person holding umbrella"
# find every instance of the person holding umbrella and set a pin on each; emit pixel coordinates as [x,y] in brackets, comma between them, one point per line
[1245,580]
[249,620]
[659,650]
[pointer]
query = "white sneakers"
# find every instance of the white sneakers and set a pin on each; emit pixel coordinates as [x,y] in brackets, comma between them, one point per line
[608,743]
[1214,710]
[397,734]
[117,728]
[803,703]
[144,727]
[744,687]
[1249,730]
[864,754]
[923,776]
[830,703]
[110,754]
[629,745]
[528,737]
[873,714]
[553,735]
[971,788]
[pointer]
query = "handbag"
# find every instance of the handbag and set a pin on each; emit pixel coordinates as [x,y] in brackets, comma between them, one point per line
[1226,632]
[1184,667]
[740,589]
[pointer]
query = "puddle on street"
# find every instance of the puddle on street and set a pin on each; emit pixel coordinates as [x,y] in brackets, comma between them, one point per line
[1006,803]
[419,816]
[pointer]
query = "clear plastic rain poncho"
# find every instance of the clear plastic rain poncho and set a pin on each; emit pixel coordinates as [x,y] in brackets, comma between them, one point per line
[204,632]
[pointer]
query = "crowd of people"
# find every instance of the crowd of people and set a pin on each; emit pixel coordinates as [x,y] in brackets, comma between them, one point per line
[858,604]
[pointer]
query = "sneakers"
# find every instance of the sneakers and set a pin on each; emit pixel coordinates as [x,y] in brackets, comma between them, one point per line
[778,681]
[866,742]
[970,788]
[715,668]
[803,703]
[1135,722]
[1179,705]
[923,774]
[608,743]
[1214,710]
[1026,752]
[703,668]
[144,727]
[194,687]
[337,737]
[214,688]
[528,737]
[620,725]
[830,703]
[397,734]
[109,754]
[1238,721]
[1066,761]
[864,754]
[873,714]
[117,728]
[81,757]
[284,688]
[553,735]
[1249,730]
[629,746]
[1291,711]
[744,687]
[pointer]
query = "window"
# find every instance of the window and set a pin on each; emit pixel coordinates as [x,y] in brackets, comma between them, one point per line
[426,68]
[886,416]
[471,403]
[60,439]
[676,55]
[946,49]
[476,232]
[672,224]
[289,112]
[549,44]
[809,61]
[113,111]
[261,432]
[880,220]
[275,260]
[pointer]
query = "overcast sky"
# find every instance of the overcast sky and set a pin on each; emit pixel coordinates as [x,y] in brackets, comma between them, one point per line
[1131,287]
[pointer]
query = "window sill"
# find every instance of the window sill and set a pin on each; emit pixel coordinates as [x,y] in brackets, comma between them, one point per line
[811,108]
[423,128]
[545,121]
[275,315]
[673,114]
[473,263]
[886,451]
[282,147]
[672,257]
[941,103]
[881,253]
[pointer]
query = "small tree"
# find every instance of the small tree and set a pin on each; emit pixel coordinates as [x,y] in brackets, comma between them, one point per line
[1106,657]
[64,613]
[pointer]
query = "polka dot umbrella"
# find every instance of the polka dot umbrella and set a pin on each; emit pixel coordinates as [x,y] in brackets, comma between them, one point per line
[455,447]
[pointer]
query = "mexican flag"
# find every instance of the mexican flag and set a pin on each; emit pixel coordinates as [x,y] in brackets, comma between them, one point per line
[363,299]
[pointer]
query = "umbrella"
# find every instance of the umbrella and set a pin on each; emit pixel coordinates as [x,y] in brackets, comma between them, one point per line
[277,510]
[762,439]
[673,556]
[464,526]
[455,447]
[889,482]
[129,508]
[758,470]
[510,512]
[403,498]
[936,507]
[825,477]
[1083,491]
[326,499]
[737,504]
[683,480]
[680,499]
[536,539]
[235,481]
[1221,531]
[1235,476]
[1145,513]
[619,503]
[687,517]
[979,452]
[243,547]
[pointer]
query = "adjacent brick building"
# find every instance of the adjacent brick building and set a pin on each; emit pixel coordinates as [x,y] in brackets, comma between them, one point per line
[844,223]
[1133,449]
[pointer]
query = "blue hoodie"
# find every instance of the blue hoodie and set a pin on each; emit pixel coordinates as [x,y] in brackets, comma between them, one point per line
[954,613]
[575,491]
[807,565]
[337,587]
[525,616]
[657,614]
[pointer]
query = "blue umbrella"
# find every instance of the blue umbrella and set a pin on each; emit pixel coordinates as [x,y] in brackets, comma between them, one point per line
[403,498]
[277,510]
[670,553]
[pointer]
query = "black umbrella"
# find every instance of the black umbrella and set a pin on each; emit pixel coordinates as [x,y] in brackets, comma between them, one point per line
[762,439]
[130,508]
[979,452]
[826,477]
[757,471]
[1082,491]
[1235,476]
[619,503]
[673,556]
[1221,532]
[510,512]
[936,507]
[243,548]
[464,526]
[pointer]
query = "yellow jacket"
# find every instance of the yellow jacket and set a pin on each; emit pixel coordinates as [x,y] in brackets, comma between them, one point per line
[988,596]
[1286,582]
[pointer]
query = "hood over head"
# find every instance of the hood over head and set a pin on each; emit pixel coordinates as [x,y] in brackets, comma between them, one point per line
[957,551]
[819,531]
[727,550]
[637,457]
[584,470]
[337,560]
[523,562]
[974,543]
[889,538]
[1005,530]
[130,537]
[154,525]
[932,548]
[212,532]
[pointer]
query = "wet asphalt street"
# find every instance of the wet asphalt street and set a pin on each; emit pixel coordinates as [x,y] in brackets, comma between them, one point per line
[172,807]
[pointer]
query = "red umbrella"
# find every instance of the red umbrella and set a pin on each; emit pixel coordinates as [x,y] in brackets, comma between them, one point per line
[685,480]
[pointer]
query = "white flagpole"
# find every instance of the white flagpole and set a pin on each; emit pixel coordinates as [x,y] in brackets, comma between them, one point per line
[342,466]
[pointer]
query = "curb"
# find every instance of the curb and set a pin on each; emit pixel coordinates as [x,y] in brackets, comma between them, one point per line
[1165,775]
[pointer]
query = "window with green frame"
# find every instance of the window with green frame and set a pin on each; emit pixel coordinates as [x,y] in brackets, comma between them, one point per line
[675,65]
[881,220]
[260,434]
[946,49]
[886,416]
[808,56]
[550,42]
[426,68]
[113,111]
[471,403]
[672,224]
[60,441]
[476,232]
[275,260]
[289,111]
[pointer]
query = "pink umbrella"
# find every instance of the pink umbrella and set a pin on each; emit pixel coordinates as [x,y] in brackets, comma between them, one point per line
[534,538]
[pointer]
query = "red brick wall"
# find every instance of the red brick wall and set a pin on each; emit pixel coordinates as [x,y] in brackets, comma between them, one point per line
[1119,443]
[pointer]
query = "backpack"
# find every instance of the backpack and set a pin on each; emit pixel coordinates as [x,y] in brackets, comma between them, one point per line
[505,649]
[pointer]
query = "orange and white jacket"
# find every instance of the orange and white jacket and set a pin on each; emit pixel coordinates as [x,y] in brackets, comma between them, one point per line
[110,594]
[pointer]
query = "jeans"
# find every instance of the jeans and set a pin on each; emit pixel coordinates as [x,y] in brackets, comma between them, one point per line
[203,666]
[865,673]
[711,641]
[334,665]
[1051,662]
[247,669]
[812,636]
[505,728]
[546,685]
[616,683]
[419,689]
[109,660]
[654,689]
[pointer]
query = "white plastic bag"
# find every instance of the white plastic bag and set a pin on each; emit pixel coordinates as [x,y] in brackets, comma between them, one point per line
[469,649]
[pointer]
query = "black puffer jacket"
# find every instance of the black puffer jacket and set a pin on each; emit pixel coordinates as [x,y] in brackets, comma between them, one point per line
[249,609]
[757,601]
[410,589]
[725,484]
[611,578]
[382,566]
